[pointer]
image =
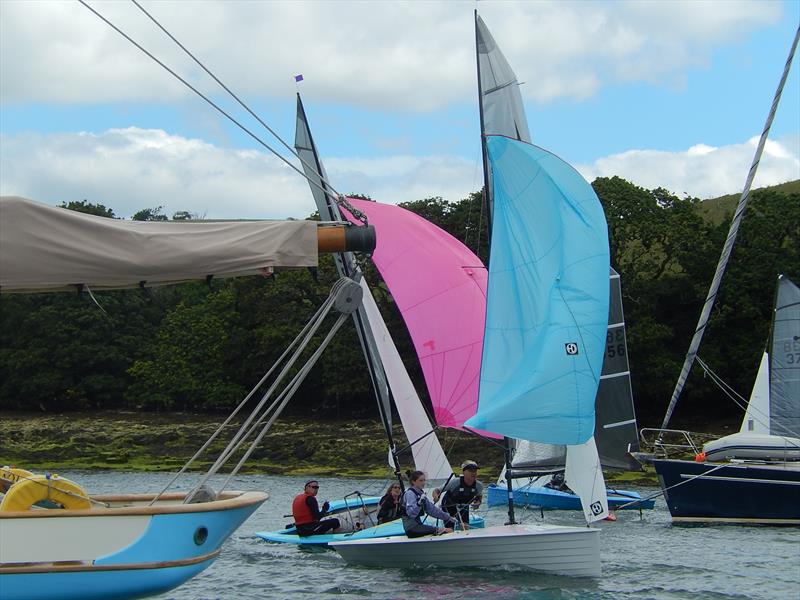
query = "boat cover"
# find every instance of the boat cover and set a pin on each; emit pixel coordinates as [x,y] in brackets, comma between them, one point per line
[46,249]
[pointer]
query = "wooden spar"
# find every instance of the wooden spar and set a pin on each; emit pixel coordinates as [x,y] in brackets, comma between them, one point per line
[345,238]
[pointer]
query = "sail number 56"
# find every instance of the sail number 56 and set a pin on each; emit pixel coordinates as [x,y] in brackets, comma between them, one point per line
[615,343]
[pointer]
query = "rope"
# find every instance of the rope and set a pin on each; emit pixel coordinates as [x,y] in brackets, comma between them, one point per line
[729,242]
[246,428]
[336,195]
[204,97]
[293,386]
[741,402]
[239,407]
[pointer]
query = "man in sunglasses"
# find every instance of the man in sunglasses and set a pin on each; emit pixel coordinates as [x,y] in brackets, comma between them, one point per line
[307,515]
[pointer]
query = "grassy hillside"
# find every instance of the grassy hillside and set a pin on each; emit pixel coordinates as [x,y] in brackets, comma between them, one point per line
[721,209]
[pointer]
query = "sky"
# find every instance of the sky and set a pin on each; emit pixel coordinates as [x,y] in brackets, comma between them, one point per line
[665,94]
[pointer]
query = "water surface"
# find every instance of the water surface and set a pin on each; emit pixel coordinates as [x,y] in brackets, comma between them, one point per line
[642,558]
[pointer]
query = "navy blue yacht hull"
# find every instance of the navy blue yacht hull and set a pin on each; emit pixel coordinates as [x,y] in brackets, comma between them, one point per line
[734,493]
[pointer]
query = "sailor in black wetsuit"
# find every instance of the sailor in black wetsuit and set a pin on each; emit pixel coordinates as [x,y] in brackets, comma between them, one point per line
[462,492]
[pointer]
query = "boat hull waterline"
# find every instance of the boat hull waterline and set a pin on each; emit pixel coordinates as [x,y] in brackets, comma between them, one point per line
[732,493]
[129,550]
[556,549]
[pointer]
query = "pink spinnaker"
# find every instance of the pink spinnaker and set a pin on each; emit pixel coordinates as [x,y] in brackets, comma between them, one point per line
[439,286]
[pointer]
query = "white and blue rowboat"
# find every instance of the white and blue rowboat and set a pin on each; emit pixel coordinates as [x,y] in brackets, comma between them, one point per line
[551,499]
[349,512]
[118,549]
[557,549]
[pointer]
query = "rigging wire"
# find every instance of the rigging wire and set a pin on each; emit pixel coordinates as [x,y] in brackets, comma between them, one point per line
[336,196]
[705,314]
[741,402]
[208,100]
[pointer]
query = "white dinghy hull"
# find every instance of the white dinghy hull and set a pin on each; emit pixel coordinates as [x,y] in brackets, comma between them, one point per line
[571,551]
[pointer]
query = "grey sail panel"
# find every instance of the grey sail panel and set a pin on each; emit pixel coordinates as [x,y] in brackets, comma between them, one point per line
[533,456]
[501,108]
[784,384]
[345,265]
[615,418]
[503,112]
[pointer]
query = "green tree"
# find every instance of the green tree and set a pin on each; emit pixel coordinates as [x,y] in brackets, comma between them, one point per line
[150,214]
[88,208]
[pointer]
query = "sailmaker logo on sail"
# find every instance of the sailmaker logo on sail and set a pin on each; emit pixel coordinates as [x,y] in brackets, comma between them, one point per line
[571,348]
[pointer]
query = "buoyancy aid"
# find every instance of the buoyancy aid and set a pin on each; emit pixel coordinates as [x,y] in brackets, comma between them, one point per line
[418,499]
[301,511]
[462,494]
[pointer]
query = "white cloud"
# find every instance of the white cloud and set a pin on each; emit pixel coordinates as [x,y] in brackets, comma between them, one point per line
[130,169]
[413,55]
[702,171]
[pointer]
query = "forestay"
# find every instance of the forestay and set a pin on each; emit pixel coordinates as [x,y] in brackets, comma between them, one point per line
[547,309]
[44,249]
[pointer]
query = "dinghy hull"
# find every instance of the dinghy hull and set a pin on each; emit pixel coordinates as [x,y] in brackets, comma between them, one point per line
[393,528]
[732,493]
[571,551]
[551,499]
[126,550]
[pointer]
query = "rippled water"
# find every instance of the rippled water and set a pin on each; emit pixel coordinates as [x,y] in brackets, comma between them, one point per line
[642,557]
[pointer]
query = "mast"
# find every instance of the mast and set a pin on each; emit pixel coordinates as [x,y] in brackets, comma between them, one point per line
[486,188]
[705,314]
[346,267]
[487,199]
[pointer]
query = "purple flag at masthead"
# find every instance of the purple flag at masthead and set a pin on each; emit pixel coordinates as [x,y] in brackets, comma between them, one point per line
[298,78]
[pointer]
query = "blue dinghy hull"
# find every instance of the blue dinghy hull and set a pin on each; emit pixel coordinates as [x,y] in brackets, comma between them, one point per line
[394,528]
[550,499]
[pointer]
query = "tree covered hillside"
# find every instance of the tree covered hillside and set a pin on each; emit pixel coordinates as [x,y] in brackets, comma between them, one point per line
[198,347]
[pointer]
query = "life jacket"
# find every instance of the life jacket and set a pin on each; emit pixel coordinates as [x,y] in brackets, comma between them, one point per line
[463,494]
[419,500]
[301,511]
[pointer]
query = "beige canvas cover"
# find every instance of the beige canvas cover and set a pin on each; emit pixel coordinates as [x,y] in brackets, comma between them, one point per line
[44,249]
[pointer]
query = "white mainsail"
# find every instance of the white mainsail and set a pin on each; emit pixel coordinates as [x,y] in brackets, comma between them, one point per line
[584,475]
[426,449]
[756,419]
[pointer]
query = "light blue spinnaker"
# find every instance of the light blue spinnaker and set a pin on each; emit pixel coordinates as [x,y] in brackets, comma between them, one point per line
[547,306]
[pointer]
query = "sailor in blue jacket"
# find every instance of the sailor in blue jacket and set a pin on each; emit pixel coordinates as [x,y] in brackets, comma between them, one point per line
[417,505]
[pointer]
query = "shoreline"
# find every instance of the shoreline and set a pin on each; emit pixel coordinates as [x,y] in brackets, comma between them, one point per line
[129,441]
